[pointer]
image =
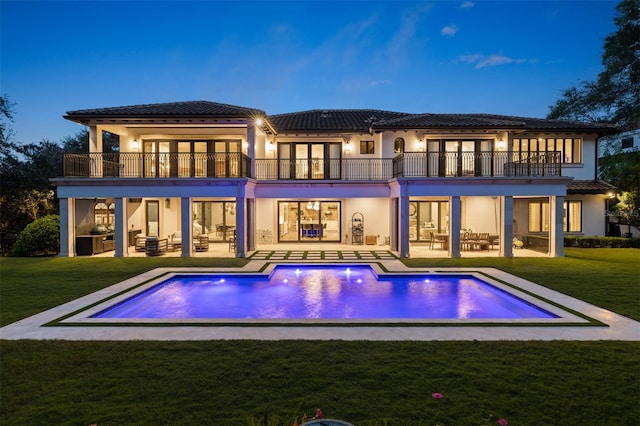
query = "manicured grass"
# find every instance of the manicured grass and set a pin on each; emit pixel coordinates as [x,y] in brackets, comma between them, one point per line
[367,383]
[31,285]
[609,278]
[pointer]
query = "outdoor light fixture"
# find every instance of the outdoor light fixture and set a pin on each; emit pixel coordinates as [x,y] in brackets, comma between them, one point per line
[270,147]
[501,145]
[347,147]
[135,145]
[420,145]
[259,122]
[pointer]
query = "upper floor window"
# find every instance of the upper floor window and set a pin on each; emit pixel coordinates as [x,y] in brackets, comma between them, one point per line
[367,147]
[570,149]
[626,143]
[398,146]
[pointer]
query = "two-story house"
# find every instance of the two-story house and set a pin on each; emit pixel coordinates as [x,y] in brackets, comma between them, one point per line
[332,176]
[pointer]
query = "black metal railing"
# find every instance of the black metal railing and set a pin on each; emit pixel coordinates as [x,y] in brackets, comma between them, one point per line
[484,164]
[231,165]
[331,169]
[157,165]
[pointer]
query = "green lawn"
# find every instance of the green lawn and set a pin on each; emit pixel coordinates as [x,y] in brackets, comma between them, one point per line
[367,383]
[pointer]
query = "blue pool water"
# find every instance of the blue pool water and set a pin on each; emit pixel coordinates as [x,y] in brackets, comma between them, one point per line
[317,292]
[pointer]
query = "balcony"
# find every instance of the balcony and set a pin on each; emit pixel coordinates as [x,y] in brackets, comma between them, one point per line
[235,165]
[158,165]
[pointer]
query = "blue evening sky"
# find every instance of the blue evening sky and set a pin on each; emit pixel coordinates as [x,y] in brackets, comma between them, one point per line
[503,57]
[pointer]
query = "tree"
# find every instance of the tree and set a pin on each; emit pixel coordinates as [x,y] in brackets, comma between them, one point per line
[615,96]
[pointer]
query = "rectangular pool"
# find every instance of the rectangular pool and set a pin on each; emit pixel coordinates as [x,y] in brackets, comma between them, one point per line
[324,292]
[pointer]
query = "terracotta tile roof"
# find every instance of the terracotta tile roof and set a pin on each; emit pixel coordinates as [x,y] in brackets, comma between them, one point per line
[170,109]
[331,120]
[417,121]
[590,187]
[421,121]
[335,120]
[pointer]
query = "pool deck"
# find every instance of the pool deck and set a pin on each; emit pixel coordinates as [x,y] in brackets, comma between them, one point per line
[618,327]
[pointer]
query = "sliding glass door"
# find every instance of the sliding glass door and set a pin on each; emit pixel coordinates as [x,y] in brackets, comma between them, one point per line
[309,221]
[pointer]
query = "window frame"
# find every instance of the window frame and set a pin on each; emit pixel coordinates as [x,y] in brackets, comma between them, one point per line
[367,147]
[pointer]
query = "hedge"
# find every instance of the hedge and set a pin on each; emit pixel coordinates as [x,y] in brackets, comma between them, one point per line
[601,242]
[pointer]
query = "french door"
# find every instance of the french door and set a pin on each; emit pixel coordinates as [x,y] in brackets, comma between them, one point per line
[309,160]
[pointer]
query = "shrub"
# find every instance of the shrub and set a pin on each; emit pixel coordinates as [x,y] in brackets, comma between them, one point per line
[40,238]
[601,242]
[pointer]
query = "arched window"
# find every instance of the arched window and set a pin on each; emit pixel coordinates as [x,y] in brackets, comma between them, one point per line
[398,146]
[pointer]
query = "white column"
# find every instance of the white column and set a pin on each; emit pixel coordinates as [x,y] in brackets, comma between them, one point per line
[67,227]
[556,233]
[251,148]
[122,233]
[455,210]
[404,246]
[95,150]
[186,223]
[506,234]
[241,237]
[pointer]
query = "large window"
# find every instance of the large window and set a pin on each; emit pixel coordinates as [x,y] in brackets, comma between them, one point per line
[309,221]
[539,216]
[215,218]
[572,216]
[426,217]
[187,158]
[570,149]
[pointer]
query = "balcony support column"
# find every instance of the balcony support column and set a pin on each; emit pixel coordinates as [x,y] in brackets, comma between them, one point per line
[404,246]
[95,147]
[251,148]
[506,234]
[186,225]
[121,232]
[455,212]
[67,228]
[241,237]
[556,233]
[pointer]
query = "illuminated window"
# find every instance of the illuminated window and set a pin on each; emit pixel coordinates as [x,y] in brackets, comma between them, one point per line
[367,147]
[572,216]
[398,146]
[569,149]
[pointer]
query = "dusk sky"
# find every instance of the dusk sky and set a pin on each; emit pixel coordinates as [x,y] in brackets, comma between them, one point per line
[503,57]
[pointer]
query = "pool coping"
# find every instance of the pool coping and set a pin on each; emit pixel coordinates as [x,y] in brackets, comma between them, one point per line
[615,326]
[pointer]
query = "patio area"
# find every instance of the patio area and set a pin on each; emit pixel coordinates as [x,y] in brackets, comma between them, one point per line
[329,251]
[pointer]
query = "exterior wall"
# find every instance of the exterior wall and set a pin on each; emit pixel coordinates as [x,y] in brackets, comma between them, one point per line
[376,216]
[616,140]
[593,213]
[481,214]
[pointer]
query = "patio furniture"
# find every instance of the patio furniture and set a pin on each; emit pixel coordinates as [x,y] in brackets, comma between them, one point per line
[201,242]
[156,246]
[141,242]
[232,242]
[437,239]
[175,241]
[482,241]
[494,240]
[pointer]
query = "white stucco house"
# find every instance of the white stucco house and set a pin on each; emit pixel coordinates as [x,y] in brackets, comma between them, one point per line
[188,170]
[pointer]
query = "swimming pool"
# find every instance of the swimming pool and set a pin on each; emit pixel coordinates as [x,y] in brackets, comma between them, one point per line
[317,292]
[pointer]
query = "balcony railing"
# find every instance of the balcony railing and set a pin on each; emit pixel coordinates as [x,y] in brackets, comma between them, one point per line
[318,169]
[158,165]
[481,164]
[232,165]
